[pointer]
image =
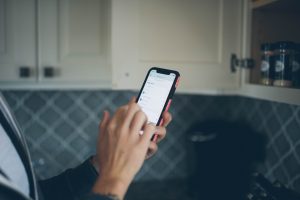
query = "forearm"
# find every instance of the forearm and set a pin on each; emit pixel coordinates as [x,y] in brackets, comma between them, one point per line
[71,184]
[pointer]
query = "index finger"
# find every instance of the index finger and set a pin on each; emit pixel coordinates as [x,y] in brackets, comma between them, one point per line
[149,131]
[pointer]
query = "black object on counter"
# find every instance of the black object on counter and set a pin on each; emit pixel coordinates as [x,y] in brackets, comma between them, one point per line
[262,188]
[225,155]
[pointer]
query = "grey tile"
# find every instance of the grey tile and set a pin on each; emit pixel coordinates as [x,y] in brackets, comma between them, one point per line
[273,124]
[64,101]
[297,151]
[296,184]
[20,94]
[35,102]
[93,101]
[22,116]
[272,157]
[78,116]
[78,144]
[280,175]
[284,111]
[91,129]
[9,97]
[282,144]
[50,116]
[120,99]
[64,130]
[293,130]
[265,107]
[291,165]
[35,131]
[71,117]
[51,145]
[66,158]
[173,151]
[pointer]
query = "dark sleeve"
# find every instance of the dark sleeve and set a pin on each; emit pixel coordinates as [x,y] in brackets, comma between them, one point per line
[72,184]
[95,197]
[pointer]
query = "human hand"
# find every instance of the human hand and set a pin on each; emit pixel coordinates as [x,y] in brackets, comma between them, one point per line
[159,134]
[121,150]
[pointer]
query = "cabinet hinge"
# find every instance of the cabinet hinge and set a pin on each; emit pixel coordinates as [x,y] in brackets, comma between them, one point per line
[246,63]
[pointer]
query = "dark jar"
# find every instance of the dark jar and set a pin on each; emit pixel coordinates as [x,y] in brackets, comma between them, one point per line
[267,64]
[283,58]
[296,67]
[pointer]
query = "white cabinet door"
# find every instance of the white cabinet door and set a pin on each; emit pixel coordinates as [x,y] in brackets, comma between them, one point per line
[74,41]
[17,40]
[195,37]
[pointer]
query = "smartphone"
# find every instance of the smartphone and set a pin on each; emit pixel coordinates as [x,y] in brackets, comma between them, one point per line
[156,94]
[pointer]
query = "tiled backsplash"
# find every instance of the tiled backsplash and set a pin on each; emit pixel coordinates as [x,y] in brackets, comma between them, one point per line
[61,129]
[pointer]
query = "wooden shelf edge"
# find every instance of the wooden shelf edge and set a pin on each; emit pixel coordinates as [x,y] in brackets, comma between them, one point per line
[262,3]
[277,94]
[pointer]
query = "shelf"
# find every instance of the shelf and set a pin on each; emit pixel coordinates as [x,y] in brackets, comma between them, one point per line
[262,3]
[277,94]
[277,5]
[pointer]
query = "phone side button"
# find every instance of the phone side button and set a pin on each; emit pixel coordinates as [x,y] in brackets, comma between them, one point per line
[177,82]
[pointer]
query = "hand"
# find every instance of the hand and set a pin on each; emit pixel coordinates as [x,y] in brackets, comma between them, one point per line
[160,134]
[121,150]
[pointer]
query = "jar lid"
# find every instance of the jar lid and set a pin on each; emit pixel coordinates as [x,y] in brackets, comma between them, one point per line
[267,47]
[285,45]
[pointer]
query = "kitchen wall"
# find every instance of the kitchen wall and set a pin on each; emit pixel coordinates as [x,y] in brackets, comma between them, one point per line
[61,130]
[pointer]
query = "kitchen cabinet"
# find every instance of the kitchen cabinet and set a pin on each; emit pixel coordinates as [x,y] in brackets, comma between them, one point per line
[268,21]
[17,40]
[195,37]
[62,43]
[112,43]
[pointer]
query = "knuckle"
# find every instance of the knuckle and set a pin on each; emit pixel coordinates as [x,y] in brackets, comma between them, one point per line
[123,129]
[135,106]
[110,128]
[141,114]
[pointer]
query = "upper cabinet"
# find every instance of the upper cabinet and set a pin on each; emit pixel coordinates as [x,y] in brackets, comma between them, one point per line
[276,73]
[195,37]
[17,41]
[112,43]
[74,41]
[56,44]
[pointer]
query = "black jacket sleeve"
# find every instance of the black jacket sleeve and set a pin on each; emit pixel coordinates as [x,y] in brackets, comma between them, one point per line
[72,184]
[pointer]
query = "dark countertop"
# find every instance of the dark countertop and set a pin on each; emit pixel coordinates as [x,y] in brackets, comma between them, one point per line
[159,190]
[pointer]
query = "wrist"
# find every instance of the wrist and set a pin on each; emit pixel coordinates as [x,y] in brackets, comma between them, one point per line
[115,189]
[94,162]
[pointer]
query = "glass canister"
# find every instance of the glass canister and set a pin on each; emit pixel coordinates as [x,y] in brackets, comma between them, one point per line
[296,67]
[283,58]
[267,63]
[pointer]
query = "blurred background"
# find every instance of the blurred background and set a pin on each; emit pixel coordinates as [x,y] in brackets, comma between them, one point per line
[62,63]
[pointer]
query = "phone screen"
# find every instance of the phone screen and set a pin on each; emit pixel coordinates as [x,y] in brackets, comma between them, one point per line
[154,94]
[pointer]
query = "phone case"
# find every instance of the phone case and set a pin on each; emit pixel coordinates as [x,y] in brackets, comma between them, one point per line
[170,96]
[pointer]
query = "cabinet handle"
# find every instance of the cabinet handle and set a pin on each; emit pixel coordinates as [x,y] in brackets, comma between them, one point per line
[24,72]
[247,63]
[49,72]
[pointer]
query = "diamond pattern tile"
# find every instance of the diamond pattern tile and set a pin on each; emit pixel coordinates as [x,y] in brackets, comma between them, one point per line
[291,165]
[35,102]
[61,128]
[282,144]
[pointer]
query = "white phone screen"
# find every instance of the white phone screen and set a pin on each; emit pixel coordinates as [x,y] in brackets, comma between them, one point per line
[155,93]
